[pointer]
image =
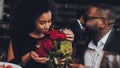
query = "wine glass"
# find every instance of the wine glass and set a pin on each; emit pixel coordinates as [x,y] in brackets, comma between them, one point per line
[110,60]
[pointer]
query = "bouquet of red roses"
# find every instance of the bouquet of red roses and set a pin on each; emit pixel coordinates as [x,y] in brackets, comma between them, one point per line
[45,45]
[53,45]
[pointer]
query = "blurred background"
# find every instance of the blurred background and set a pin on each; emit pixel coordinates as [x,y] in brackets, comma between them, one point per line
[66,12]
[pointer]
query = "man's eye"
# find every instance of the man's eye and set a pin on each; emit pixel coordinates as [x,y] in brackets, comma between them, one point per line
[90,18]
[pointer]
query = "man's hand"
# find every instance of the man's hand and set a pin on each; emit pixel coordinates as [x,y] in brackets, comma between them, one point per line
[74,65]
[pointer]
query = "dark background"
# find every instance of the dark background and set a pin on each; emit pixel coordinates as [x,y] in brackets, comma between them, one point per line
[66,11]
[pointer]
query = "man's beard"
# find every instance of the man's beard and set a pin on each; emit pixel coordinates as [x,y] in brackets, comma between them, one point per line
[92,32]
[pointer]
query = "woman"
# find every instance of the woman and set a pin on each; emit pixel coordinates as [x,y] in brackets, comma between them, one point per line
[38,16]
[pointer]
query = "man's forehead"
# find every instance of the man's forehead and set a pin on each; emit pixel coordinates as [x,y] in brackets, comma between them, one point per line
[93,11]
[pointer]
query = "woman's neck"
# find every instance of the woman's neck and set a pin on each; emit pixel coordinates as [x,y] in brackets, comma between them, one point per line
[36,34]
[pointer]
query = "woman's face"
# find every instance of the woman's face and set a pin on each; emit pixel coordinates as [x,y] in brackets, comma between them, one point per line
[43,22]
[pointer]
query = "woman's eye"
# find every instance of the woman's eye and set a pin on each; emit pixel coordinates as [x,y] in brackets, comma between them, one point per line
[42,23]
[49,21]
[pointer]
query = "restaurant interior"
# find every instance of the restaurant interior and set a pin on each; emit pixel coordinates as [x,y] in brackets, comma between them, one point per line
[66,12]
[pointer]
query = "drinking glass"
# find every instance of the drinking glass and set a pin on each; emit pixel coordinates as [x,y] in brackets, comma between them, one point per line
[110,60]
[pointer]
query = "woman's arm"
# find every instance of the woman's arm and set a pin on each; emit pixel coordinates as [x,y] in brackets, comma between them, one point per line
[26,58]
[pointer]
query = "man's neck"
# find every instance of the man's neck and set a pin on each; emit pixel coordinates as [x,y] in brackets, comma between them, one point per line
[101,34]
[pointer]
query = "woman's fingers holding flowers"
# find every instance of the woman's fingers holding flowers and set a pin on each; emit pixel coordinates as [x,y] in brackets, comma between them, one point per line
[33,54]
[36,58]
[42,60]
[70,38]
[62,61]
[69,34]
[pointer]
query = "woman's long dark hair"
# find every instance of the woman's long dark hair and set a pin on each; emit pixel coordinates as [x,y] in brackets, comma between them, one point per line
[26,12]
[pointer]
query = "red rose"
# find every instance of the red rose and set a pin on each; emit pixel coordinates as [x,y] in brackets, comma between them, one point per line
[56,34]
[41,52]
[53,34]
[45,46]
[62,36]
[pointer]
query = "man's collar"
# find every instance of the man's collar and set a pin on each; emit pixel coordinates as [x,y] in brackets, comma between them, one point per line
[104,39]
[100,42]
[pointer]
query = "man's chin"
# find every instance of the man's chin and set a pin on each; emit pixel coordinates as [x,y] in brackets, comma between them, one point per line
[90,33]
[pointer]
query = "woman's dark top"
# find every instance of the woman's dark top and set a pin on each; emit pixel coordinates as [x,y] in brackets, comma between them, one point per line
[21,46]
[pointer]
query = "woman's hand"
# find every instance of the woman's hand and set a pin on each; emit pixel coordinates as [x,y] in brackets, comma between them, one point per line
[61,61]
[69,34]
[36,58]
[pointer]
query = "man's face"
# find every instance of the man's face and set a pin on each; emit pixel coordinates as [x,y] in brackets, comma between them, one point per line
[93,21]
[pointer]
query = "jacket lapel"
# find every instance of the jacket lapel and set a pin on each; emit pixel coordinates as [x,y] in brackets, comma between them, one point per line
[113,42]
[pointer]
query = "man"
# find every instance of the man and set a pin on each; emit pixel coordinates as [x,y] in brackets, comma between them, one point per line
[99,22]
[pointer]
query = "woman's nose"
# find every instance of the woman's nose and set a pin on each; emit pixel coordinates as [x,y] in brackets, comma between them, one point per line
[47,25]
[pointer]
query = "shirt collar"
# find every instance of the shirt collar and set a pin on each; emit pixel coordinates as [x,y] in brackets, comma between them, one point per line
[101,42]
[104,39]
[79,23]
